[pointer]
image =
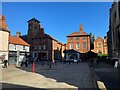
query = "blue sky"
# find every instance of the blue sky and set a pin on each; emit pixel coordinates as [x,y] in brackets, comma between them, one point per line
[58,19]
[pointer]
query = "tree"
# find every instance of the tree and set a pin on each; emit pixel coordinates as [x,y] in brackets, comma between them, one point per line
[92,39]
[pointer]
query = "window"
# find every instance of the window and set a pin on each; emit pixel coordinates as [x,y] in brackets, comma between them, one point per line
[77,38]
[23,47]
[115,15]
[36,27]
[77,45]
[35,47]
[71,38]
[71,46]
[84,38]
[0,37]
[99,45]
[15,47]
[84,45]
[39,47]
[99,52]
[44,47]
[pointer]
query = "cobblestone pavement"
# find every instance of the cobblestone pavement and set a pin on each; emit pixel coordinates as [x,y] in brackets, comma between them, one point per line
[59,76]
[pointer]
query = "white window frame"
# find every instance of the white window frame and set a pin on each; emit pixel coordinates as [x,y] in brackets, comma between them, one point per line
[77,45]
[71,46]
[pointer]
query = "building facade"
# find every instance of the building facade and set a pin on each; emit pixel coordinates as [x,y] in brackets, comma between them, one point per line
[100,45]
[79,41]
[114,31]
[17,49]
[43,46]
[4,38]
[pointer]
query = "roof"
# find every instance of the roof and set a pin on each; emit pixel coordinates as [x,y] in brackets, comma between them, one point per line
[34,19]
[99,38]
[80,33]
[17,40]
[70,51]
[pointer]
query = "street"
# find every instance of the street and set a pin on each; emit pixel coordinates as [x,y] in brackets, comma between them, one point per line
[109,75]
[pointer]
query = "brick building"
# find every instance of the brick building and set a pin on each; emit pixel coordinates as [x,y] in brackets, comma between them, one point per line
[42,45]
[79,41]
[100,45]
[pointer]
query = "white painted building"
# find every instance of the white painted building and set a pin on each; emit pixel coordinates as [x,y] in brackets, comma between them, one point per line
[17,49]
[4,36]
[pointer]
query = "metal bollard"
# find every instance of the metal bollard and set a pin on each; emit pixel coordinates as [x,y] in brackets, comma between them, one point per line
[33,67]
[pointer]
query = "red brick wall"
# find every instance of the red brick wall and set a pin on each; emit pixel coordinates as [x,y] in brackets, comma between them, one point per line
[103,47]
[80,41]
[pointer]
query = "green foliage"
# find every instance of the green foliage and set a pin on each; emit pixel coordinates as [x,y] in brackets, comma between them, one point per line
[92,39]
[100,54]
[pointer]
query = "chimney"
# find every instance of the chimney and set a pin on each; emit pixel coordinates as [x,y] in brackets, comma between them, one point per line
[105,37]
[3,23]
[81,27]
[18,34]
[42,31]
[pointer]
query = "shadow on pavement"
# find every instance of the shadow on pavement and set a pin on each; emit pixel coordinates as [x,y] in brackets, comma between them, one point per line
[63,73]
[8,86]
[109,75]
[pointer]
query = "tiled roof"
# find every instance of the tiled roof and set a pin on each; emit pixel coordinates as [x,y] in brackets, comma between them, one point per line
[99,38]
[17,40]
[78,33]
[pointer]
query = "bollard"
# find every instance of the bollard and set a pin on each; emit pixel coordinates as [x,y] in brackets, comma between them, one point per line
[33,67]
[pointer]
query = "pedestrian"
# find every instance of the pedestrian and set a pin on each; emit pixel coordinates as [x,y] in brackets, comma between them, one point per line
[4,61]
[26,62]
[53,61]
[116,64]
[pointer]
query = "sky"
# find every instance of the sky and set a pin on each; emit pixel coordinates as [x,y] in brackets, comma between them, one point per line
[58,19]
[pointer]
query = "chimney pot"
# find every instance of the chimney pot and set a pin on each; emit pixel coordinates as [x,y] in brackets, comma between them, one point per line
[18,34]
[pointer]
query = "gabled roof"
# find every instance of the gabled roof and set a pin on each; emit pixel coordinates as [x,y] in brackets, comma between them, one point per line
[99,38]
[80,33]
[17,40]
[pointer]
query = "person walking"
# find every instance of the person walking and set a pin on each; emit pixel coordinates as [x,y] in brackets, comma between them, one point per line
[4,61]
[116,64]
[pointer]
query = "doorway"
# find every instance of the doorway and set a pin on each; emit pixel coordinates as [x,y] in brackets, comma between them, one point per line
[42,56]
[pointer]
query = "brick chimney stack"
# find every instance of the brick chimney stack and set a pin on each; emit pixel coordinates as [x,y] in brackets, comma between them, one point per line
[81,27]
[3,23]
[18,34]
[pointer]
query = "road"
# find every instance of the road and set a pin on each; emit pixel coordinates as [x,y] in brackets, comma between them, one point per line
[109,75]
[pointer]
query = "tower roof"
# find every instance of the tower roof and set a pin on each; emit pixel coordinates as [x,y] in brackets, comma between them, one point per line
[34,19]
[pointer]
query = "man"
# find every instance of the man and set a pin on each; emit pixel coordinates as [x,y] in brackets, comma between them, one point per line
[4,61]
